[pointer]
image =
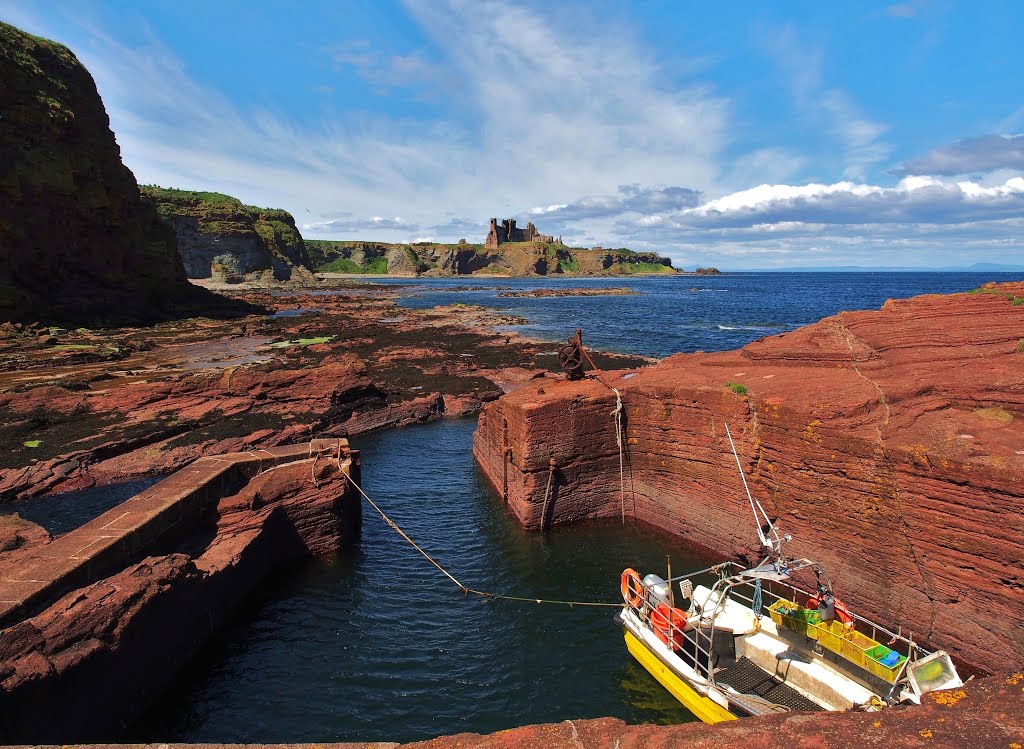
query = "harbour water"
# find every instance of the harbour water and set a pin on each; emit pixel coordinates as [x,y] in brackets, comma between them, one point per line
[378,645]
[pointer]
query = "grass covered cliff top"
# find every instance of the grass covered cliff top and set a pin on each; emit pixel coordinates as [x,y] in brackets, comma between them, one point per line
[463,258]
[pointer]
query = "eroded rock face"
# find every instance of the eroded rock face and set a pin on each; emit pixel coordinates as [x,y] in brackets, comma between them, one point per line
[90,664]
[888,443]
[79,244]
[220,238]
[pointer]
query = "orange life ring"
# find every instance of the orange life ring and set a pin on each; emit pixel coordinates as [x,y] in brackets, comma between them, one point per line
[632,588]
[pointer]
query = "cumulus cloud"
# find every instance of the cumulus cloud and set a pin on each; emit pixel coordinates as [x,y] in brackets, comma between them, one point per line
[914,200]
[983,153]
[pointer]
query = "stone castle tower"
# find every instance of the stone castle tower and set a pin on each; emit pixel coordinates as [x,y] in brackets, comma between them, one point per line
[508,232]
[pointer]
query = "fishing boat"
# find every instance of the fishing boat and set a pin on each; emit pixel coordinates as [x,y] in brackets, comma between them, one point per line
[747,641]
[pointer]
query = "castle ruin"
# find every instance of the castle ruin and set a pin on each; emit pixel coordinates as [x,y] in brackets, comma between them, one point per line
[508,232]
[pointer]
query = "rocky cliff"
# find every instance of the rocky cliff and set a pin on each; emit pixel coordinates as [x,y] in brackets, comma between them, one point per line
[221,238]
[79,245]
[508,259]
[889,443]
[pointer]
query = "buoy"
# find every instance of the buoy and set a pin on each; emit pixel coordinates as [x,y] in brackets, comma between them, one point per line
[632,588]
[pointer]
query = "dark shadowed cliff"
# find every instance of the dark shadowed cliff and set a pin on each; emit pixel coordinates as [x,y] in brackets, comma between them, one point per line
[78,245]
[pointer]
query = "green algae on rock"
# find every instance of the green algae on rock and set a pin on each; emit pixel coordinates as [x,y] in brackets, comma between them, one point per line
[220,237]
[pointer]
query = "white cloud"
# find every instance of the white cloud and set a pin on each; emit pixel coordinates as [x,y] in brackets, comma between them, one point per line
[539,112]
[352,224]
[981,153]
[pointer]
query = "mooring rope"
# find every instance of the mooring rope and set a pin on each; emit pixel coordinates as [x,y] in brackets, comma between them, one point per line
[617,413]
[466,590]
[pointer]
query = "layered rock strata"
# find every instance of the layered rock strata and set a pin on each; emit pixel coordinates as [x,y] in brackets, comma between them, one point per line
[79,244]
[221,238]
[175,567]
[888,443]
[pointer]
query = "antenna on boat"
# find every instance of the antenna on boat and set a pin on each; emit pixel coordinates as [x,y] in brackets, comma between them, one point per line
[775,543]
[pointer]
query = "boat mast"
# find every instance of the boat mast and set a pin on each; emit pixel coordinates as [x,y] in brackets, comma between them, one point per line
[771,542]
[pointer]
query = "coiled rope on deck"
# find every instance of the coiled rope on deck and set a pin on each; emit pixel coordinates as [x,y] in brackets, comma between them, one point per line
[466,590]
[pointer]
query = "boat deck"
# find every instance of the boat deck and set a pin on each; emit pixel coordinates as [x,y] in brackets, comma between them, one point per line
[747,678]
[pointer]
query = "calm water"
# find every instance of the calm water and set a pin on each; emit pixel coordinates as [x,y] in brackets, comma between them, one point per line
[692,313]
[60,513]
[379,646]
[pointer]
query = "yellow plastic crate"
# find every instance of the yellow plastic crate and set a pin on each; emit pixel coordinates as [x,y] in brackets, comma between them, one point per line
[886,673]
[775,614]
[856,646]
[797,619]
[831,635]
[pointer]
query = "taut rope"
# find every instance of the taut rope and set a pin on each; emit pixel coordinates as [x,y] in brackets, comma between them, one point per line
[466,590]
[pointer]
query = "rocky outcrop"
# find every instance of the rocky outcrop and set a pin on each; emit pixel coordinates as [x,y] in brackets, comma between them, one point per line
[85,667]
[222,239]
[80,408]
[17,533]
[533,258]
[983,714]
[79,245]
[888,443]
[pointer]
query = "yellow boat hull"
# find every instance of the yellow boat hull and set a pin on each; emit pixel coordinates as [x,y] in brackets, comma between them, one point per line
[704,708]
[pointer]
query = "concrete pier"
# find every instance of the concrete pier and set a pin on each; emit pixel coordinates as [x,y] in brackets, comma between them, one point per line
[122,535]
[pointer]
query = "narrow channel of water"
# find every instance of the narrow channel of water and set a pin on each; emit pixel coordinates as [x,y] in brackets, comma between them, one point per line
[378,645]
[60,513]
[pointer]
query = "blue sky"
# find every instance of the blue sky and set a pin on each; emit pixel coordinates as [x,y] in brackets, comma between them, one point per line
[744,134]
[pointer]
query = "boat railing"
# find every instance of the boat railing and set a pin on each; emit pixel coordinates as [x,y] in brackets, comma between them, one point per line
[768,590]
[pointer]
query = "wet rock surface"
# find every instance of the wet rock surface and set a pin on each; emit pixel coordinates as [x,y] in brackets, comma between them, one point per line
[888,443]
[574,291]
[88,665]
[82,407]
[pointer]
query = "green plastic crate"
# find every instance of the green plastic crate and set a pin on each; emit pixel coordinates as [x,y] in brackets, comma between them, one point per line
[879,669]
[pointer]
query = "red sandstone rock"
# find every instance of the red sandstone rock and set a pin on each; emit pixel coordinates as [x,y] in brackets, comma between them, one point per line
[17,533]
[201,389]
[88,665]
[888,443]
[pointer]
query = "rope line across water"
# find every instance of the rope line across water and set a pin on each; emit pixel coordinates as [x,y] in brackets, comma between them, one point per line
[465,588]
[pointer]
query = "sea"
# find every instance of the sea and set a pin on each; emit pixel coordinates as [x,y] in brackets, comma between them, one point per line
[376,645]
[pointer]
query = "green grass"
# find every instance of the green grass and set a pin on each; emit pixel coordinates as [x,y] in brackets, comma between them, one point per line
[302,342]
[377,265]
[644,268]
[737,388]
[570,265]
[1016,301]
[1020,347]
[341,265]
[32,443]
[74,347]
